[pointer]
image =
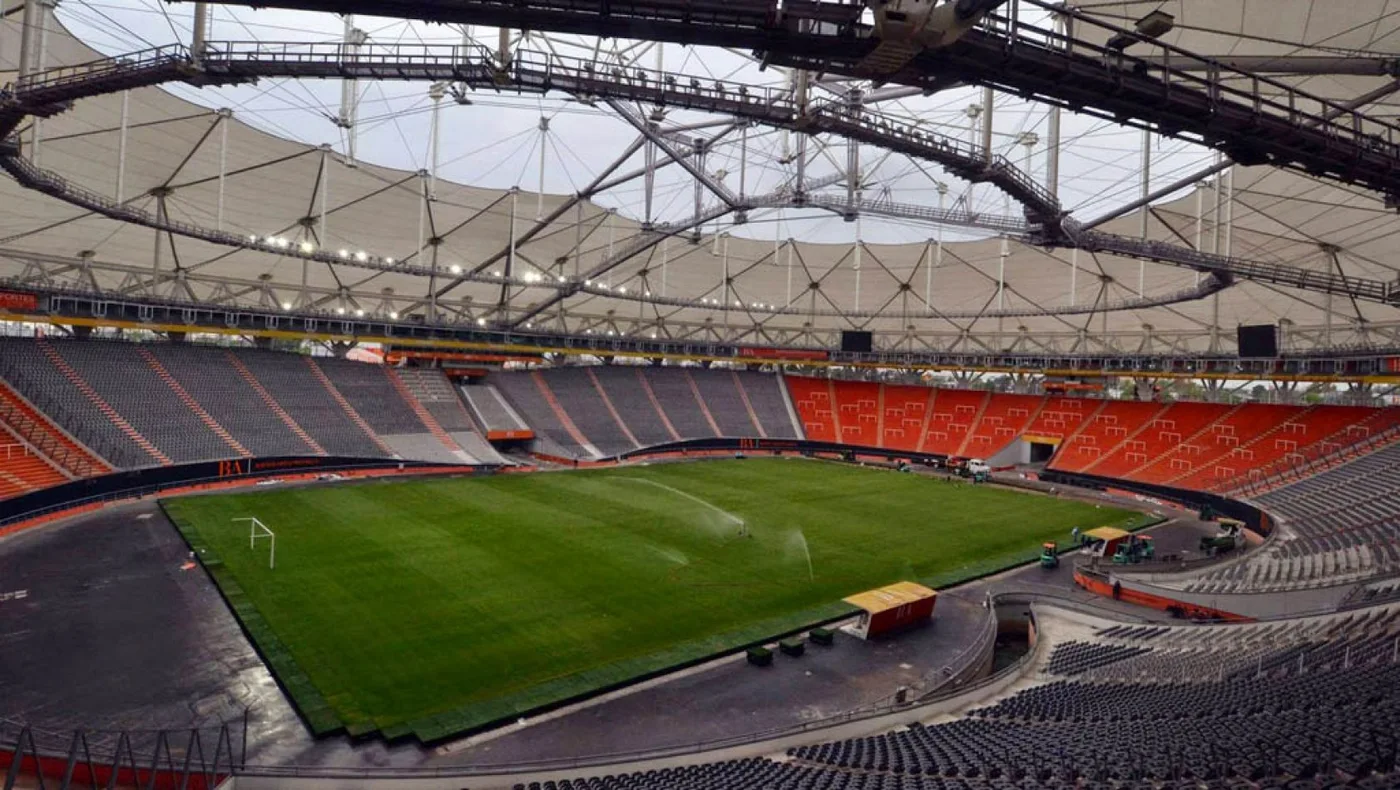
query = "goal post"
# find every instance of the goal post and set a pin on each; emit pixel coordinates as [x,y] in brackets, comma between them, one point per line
[258,530]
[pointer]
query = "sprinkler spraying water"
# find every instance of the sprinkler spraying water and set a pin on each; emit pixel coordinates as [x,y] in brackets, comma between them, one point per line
[797,540]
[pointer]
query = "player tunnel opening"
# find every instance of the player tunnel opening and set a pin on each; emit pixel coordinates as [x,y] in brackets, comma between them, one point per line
[1040,452]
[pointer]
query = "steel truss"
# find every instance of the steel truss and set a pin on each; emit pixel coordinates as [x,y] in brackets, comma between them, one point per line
[67,298]
[1255,119]
[223,62]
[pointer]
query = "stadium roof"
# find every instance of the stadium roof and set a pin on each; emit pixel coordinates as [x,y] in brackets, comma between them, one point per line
[884,272]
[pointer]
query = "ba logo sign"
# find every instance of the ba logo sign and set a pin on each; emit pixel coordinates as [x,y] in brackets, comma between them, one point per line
[748,444]
[230,468]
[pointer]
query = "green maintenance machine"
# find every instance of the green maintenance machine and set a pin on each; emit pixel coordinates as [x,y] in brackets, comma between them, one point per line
[1229,538]
[1134,549]
[1049,555]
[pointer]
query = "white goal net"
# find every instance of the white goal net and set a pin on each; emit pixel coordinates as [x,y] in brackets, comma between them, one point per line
[260,531]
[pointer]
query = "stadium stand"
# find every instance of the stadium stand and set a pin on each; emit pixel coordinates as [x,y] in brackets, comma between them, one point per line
[730,408]
[627,390]
[858,412]
[954,414]
[301,390]
[203,404]
[1227,441]
[430,389]
[491,411]
[1337,526]
[209,379]
[1314,700]
[680,400]
[1108,427]
[529,395]
[45,378]
[589,409]
[816,406]
[1061,418]
[766,397]
[31,427]
[22,468]
[1175,425]
[371,394]
[615,408]
[905,416]
[1004,419]
[1332,435]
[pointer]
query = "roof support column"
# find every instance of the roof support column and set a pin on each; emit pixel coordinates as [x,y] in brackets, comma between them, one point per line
[1219,207]
[973,111]
[1001,281]
[436,92]
[1073,276]
[665,256]
[432,280]
[121,146]
[349,92]
[422,213]
[855,253]
[199,38]
[578,237]
[503,49]
[156,252]
[649,177]
[800,104]
[539,195]
[743,162]
[938,251]
[699,186]
[503,306]
[1146,204]
[33,58]
[34,23]
[987,98]
[852,157]
[789,274]
[1052,153]
[225,115]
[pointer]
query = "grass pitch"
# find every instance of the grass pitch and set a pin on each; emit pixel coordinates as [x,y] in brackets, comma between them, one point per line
[434,607]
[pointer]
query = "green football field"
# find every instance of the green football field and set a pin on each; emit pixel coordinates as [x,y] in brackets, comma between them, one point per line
[431,607]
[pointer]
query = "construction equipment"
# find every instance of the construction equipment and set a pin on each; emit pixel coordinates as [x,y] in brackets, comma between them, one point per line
[1049,555]
[1134,549]
[1229,538]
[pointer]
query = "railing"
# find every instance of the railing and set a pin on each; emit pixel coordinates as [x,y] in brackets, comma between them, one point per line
[51,84]
[1315,459]
[1307,279]
[1217,87]
[864,713]
[198,758]
[44,443]
[54,743]
[47,405]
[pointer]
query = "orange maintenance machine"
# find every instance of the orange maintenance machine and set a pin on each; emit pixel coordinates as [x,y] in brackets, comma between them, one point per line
[891,608]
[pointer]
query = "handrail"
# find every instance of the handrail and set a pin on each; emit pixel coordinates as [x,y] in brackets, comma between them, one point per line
[533,70]
[1282,470]
[1220,79]
[948,691]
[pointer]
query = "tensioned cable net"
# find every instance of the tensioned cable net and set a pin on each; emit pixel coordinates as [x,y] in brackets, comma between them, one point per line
[561,182]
